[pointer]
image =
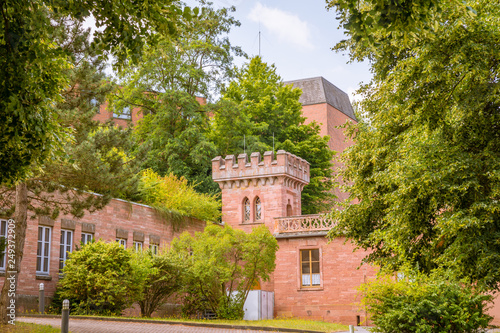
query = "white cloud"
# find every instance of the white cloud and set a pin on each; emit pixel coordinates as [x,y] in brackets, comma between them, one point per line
[288,27]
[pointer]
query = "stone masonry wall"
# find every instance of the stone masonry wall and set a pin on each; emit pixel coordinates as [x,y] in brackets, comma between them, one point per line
[129,220]
[336,298]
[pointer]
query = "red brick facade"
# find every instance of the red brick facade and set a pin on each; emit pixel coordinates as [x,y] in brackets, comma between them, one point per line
[278,182]
[130,221]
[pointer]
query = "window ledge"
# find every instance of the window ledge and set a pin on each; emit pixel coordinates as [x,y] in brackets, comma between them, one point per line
[2,273]
[43,277]
[251,223]
[310,289]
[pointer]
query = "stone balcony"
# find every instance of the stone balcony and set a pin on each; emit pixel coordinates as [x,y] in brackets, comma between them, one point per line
[303,225]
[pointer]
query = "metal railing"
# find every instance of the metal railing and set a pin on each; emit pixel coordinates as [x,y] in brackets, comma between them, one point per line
[300,223]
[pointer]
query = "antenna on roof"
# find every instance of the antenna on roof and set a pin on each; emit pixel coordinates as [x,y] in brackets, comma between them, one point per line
[259,39]
[244,145]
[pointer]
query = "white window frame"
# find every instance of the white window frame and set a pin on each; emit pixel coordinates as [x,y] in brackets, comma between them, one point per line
[43,244]
[65,247]
[122,242]
[3,234]
[126,113]
[137,246]
[87,238]
[154,248]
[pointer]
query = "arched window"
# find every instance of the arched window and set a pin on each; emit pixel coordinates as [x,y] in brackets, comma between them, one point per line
[258,209]
[246,210]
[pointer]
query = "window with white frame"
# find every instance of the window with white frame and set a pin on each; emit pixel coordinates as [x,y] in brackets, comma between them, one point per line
[124,114]
[122,241]
[43,250]
[154,248]
[65,247]
[3,238]
[137,246]
[87,238]
[310,268]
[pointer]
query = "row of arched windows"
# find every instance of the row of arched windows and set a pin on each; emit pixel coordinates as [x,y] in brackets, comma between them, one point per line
[247,210]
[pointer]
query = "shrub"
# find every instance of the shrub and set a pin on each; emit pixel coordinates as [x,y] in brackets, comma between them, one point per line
[102,279]
[176,199]
[425,305]
[220,267]
[163,279]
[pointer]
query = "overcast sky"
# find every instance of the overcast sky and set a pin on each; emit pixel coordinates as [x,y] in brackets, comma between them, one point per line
[297,36]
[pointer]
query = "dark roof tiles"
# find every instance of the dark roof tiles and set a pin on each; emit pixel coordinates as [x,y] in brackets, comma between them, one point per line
[318,90]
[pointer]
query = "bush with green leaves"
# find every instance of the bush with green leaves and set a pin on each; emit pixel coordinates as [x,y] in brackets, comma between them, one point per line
[102,278]
[425,305]
[220,267]
[163,279]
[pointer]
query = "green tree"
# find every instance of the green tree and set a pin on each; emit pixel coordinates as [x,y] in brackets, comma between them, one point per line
[164,86]
[258,112]
[176,199]
[33,66]
[103,278]
[221,265]
[173,134]
[425,166]
[163,279]
[94,157]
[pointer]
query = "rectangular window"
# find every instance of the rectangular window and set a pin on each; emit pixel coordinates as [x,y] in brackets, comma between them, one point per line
[65,247]
[154,248]
[125,114]
[138,246]
[87,238]
[43,250]
[3,238]
[309,261]
[122,241]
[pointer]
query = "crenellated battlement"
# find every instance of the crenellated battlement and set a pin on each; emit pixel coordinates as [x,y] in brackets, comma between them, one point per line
[287,169]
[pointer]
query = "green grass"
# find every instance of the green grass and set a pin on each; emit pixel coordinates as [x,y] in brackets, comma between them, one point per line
[21,327]
[300,324]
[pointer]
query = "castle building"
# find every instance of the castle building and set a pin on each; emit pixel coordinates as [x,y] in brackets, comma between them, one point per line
[313,279]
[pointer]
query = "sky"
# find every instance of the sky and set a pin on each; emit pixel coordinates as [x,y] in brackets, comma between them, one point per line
[296,36]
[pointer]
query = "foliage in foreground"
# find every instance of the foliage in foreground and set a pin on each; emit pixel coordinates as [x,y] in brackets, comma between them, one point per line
[221,265]
[176,199]
[425,304]
[102,278]
[163,278]
[426,164]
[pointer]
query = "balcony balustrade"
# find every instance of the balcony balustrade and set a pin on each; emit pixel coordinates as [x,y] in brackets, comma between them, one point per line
[316,222]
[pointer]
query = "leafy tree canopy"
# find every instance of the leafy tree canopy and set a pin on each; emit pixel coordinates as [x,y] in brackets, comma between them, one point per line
[33,66]
[221,265]
[176,198]
[257,111]
[426,163]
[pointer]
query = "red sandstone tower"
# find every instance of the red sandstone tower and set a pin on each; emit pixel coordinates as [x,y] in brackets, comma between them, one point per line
[257,191]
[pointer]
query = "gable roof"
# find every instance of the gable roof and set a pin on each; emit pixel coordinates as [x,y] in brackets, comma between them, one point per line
[318,90]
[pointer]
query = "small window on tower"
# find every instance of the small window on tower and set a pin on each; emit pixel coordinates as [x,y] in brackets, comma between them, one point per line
[246,210]
[258,209]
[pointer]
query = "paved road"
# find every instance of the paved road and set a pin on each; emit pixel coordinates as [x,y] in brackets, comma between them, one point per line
[101,326]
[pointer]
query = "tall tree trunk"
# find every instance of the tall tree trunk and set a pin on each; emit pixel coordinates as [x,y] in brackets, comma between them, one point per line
[13,264]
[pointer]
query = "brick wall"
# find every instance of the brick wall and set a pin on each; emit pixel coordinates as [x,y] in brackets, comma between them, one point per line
[118,214]
[335,300]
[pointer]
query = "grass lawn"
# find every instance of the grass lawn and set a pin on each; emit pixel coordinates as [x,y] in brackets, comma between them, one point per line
[20,327]
[293,323]
[302,324]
